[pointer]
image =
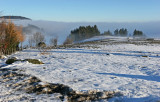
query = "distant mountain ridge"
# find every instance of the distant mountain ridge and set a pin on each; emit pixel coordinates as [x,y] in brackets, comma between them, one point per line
[15,17]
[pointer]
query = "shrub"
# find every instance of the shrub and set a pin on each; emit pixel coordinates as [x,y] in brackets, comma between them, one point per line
[41,45]
[10,37]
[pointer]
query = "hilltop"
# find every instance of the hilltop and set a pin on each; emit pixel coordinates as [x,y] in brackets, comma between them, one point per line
[15,17]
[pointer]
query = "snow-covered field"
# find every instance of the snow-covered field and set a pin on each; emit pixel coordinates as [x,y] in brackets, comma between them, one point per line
[133,70]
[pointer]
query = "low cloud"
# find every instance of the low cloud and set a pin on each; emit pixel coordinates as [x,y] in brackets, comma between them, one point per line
[62,29]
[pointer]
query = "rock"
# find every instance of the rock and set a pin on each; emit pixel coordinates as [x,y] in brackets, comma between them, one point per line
[34,61]
[31,84]
[6,80]
[33,80]
[34,89]
[10,61]
[2,57]
[14,59]
[47,91]
[17,84]
[91,95]
[8,85]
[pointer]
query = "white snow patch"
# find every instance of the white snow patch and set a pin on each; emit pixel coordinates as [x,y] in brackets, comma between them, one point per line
[123,70]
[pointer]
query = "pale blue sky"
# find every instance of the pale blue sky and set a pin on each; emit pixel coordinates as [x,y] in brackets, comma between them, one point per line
[84,10]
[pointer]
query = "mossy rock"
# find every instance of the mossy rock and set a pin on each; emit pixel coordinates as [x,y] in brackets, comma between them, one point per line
[34,61]
[10,61]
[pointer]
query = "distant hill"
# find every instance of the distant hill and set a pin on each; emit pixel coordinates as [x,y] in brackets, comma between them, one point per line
[31,29]
[15,17]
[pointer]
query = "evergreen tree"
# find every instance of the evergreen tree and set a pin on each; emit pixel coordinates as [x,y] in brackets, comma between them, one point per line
[83,32]
[116,32]
[121,32]
[138,33]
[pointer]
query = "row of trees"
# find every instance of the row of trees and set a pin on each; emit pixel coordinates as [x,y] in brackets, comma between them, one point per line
[137,33]
[10,37]
[123,32]
[38,38]
[83,32]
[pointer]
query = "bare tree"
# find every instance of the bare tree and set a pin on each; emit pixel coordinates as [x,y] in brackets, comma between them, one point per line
[53,41]
[30,41]
[38,37]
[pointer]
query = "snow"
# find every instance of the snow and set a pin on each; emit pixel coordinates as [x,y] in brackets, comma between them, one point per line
[97,38]
[133,70]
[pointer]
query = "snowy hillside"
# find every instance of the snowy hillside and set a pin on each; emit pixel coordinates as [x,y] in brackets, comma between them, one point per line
[133,70]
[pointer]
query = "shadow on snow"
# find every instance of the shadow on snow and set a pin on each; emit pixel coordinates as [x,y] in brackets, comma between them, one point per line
[82,51]
[149,78]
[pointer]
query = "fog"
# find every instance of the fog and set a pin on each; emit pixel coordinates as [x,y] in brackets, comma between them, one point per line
[62,29]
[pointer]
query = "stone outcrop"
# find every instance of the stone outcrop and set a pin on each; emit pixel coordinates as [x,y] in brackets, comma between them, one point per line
[31,84]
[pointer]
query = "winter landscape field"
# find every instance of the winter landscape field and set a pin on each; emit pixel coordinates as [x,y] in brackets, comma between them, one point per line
[79,51]
[130,69]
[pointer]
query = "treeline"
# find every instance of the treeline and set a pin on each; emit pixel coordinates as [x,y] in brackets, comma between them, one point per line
[123,32]
[83,32]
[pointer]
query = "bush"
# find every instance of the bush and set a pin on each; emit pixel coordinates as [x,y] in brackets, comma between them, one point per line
[10,37]
[41,45]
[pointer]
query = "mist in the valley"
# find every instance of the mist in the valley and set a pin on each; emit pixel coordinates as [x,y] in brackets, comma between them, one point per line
[62,29]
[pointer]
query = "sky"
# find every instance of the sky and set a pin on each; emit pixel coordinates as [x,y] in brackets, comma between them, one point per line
[84,10]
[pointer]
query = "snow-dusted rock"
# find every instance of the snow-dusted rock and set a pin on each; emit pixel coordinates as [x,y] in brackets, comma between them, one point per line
[2,57]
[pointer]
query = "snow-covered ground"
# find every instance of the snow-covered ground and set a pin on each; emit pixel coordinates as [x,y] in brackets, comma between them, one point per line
[97,38]
[133,70]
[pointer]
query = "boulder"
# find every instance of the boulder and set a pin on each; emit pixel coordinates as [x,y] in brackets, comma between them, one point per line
[14,59]
[2,57]
[11,60]
[34,61]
